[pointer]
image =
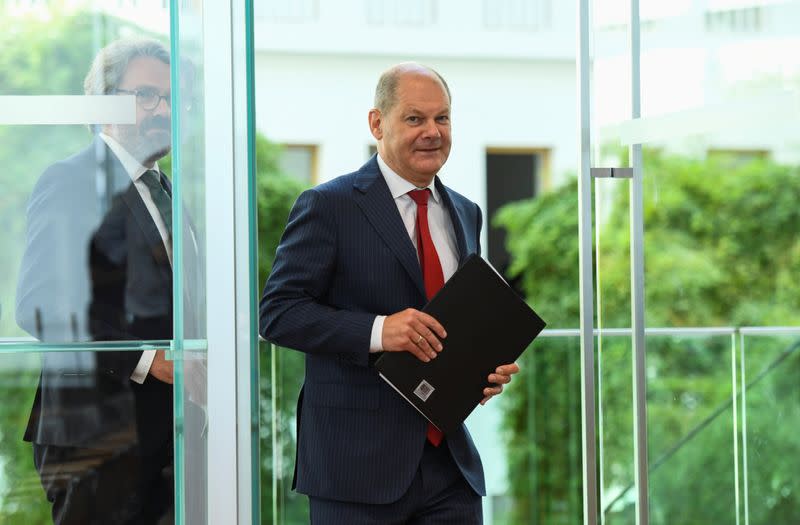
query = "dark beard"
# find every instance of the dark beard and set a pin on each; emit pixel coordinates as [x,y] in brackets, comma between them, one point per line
[152,150]
[144,147]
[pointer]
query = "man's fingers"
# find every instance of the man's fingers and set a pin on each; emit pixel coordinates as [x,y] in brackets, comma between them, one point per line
[489,393]
[507,370]
[420,342]
[501,376]
[420,330]
[499,379]
[413,331]
[432,324]
[492,391]
[421,354]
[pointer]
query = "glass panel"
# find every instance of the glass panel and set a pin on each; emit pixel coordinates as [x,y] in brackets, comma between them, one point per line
[22,497]
[501,48]
[279,393]
[770,417]
[719,106]
[610,104]
[691,423]
[533,474]
[281,370]
[615,429]
[190,253]
[85,263]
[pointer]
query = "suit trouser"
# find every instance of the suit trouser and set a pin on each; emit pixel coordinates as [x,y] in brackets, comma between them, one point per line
[438,495]
[95,486]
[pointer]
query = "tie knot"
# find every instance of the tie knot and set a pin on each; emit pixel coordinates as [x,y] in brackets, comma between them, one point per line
[152,179]
[420,196]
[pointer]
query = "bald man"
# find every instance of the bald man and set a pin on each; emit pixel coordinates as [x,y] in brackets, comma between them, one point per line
[361,255]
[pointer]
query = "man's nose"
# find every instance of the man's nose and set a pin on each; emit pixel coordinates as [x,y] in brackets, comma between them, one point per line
[432,129]
[163,107]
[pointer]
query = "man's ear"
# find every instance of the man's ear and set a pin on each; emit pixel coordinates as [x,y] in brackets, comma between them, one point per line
[375,124]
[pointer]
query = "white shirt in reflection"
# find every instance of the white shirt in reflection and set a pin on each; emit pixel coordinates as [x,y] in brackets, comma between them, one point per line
[135,170]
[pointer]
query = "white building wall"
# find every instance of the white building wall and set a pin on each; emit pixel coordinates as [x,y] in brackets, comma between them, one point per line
[303,99]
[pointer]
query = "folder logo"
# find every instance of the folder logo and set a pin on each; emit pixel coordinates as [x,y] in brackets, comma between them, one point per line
[424,390]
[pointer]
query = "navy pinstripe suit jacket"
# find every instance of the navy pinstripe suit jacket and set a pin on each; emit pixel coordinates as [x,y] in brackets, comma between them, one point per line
[344,258]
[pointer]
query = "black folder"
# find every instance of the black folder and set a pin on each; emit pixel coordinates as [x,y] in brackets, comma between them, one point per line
[487,325]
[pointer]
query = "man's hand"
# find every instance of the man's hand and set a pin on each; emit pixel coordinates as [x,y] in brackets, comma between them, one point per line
[502,376]
[413,331]
[161,369]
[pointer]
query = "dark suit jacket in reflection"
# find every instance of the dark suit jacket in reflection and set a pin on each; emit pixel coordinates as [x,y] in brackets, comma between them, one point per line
[344,258]
[95,269]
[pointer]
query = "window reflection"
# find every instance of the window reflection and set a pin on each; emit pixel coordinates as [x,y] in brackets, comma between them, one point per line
[97,267]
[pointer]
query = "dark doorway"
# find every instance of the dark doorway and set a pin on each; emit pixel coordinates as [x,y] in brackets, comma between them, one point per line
[510,176]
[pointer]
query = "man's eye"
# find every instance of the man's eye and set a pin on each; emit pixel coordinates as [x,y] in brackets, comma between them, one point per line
[413,120]
[443,119]
[147,93]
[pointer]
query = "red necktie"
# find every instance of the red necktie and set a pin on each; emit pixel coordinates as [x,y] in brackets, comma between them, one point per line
[431,270]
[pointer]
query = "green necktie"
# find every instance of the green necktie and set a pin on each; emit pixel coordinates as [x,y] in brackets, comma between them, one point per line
[162,200]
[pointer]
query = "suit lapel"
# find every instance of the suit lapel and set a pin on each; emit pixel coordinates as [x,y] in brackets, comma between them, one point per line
[141,215]
[373,197]
[459,224]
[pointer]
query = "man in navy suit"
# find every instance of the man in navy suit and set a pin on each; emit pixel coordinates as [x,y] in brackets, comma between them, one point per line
[360,256]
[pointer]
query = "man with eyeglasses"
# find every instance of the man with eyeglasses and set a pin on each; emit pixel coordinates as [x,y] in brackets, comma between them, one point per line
[98,267]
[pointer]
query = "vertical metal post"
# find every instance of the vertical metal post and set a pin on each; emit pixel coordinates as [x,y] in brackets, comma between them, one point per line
[637,285]
[231,335]
[176,350]
[743,386]
[246,261]
[589,431]
[735,418]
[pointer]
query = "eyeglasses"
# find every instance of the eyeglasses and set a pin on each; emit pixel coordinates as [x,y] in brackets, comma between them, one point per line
[147,98]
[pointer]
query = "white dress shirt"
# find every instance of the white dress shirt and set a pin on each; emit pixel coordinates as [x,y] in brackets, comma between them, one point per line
[439,223]
[135,170]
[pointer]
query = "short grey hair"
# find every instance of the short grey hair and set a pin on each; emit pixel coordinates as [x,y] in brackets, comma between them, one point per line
[386,90]
[111,63]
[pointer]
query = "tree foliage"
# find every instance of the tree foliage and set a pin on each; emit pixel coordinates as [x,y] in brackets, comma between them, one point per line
[721,249]
[276,193]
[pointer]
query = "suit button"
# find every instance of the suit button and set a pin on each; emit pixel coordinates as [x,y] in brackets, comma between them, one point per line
[110,371]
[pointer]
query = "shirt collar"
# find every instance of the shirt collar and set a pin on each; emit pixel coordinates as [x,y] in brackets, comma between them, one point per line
[398,186]
[132,166]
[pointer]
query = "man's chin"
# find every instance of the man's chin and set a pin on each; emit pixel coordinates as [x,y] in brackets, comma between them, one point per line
[429,168]
[157,154]
[152,152]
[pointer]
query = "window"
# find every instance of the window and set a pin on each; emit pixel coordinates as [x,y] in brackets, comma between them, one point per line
[287,10]
[401,12]
[299,162]
[747,20]
[512,174]
[517,15]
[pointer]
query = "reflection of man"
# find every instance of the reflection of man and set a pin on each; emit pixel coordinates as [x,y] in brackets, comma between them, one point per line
[359,256]
[97,266]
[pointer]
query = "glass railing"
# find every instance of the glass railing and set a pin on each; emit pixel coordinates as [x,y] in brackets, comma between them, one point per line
[723,409]
[722,405]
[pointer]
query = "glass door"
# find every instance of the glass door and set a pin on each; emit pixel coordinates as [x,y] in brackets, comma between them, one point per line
[86,263]
[121,362]
[693,257]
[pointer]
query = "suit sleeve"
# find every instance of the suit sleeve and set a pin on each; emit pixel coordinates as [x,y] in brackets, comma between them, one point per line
[293,311]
